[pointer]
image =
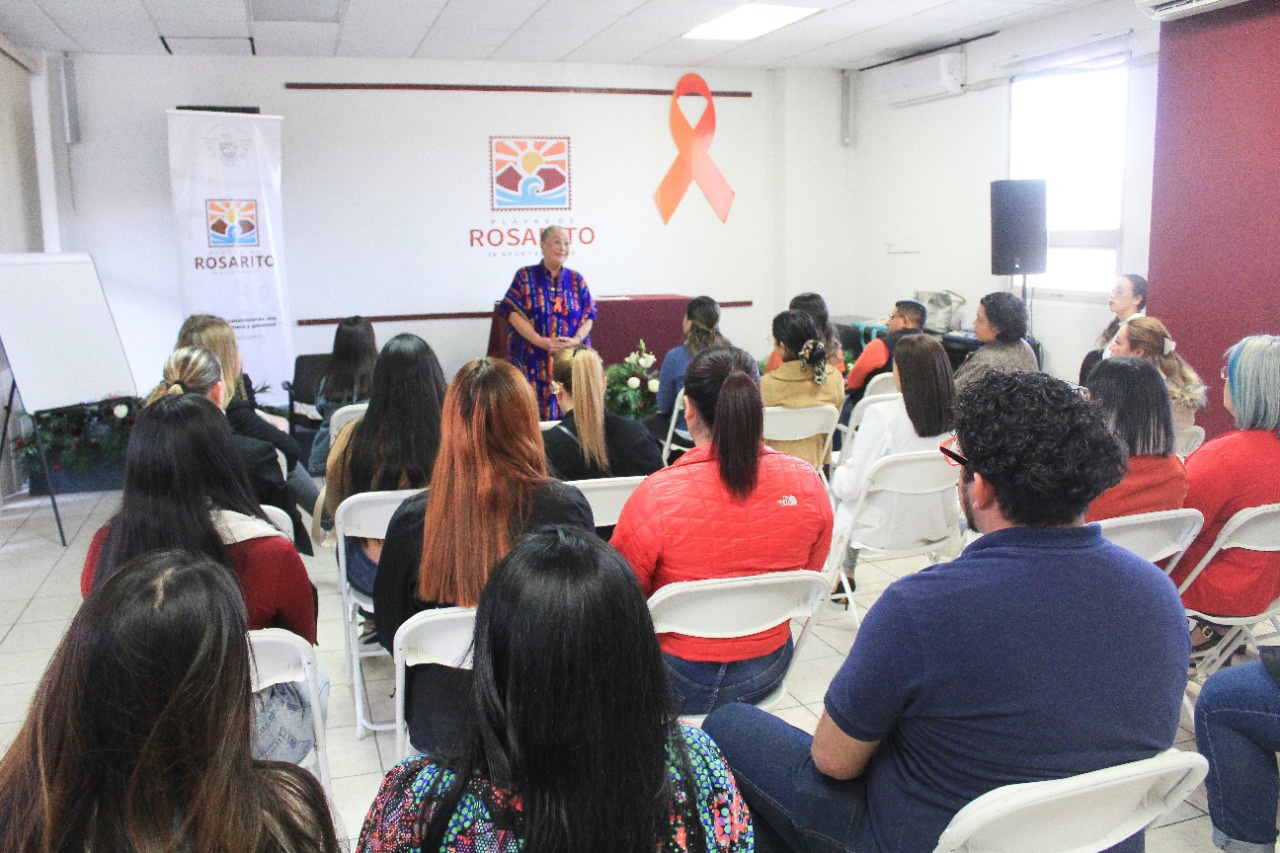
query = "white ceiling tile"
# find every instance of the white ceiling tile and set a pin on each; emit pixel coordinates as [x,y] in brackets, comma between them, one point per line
[446,43]
[676,17]
[387,29]
[534,45]
[681,51]
[279,38]
[106,26]
[28,25]
[182,46]
[296,11]
[209,18]
[486,14]
[618,44]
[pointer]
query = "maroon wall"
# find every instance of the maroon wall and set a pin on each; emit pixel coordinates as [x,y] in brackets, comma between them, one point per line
[1215,205]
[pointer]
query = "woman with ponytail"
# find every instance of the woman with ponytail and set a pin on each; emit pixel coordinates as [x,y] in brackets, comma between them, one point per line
[590,442]
[730,507]
[801,380]
[1146,337]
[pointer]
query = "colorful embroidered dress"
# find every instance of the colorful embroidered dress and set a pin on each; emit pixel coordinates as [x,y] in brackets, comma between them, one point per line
[556,306]
[398,818]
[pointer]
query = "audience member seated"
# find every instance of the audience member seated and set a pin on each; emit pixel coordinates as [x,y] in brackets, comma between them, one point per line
[919,420]
[816,307]
[1238,730]
[346,380]
[1128,299]
[195,370]
[184,488]
[1001,325]
[730,507]
[394,446]
[1043,651]
[590,442]
[139,736]
[488,487]
[801,380]
[1135,403]
[568,741]
[907,319]
[1235,471]
[216,335]
[701,332]
[1146,337]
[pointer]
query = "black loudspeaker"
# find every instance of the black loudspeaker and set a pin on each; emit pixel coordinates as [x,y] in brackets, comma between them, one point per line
[1019,238]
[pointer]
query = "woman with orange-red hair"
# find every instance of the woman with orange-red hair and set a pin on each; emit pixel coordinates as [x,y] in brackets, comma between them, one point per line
[489,486]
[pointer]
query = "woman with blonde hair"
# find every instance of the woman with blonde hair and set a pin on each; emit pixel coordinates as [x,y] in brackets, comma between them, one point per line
[591,442]
[1146,337]
[801,380]
[216,335]
[489,485]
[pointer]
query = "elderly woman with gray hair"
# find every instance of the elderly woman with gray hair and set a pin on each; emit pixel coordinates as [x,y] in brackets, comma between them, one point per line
[549,308]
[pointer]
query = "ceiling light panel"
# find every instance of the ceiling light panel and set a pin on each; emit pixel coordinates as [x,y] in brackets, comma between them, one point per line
[750,21]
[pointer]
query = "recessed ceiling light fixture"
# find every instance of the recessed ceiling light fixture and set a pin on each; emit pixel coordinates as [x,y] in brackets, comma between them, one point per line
[747,22]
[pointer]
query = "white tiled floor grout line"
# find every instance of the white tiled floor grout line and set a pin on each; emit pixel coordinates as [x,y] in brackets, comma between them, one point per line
[38,576]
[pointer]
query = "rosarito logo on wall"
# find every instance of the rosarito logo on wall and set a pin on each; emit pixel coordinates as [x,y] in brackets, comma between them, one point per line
[232,223]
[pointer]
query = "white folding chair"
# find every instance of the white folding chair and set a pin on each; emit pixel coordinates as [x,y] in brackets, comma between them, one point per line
[1087,813]
[881,383]
[925,482]
[1253,529]
[783,424]
[724,608]
[1155,536]
[441,636]
[365,516]
[607,496]
[346,415]
[855,419]
[279,519]
[546,425]
[281,656]
[1187,440]
[671,427]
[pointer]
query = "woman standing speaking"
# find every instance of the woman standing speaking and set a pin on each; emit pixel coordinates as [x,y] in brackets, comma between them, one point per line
[549,308]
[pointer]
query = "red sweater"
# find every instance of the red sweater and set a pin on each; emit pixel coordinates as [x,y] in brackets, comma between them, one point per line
[1154,483]
[1235,471]
[681,524]
[277,590]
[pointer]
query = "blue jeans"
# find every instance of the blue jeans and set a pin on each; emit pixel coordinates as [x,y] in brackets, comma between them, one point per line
[1238,730]
[361,569]
[794,806]
[701,686]
[282,720]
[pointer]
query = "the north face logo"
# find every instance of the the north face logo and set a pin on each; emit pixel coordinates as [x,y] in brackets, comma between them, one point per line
[788,500]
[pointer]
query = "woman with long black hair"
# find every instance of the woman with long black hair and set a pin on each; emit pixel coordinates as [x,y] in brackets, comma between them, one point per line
[393,446]
[801,379]
[568,741]
[139,736]
[346,380]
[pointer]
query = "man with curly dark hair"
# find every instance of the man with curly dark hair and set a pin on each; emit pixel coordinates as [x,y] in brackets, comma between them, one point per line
[1042,651]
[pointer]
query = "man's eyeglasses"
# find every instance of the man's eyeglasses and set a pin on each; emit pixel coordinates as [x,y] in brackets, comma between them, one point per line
[947,448]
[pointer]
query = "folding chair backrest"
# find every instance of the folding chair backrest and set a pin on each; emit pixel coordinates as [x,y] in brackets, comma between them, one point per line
[860,410]
[1256,528]
[1155,536]
[881,383]
[921,473]
[307,370]
[607,496]
[281,657]
[723,608]
[671,427]
[1087,813]
[783,424]
[546,425]
[346,415]
[367,515]
[441,636]
[279,520]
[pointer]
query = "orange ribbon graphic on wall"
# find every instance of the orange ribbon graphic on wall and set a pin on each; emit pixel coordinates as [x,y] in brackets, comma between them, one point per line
[693,162]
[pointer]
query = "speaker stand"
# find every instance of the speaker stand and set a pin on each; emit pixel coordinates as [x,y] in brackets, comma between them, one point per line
[1026,300]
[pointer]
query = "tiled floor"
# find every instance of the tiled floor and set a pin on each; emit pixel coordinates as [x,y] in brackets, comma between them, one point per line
[39,593]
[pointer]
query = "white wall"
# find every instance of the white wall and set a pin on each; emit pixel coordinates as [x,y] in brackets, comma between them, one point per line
[922,175]
[382,189]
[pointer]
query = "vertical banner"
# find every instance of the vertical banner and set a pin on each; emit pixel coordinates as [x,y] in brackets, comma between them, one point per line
[225,173]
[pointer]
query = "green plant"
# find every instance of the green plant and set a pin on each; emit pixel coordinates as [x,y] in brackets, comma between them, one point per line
[631,388]
[81,436]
